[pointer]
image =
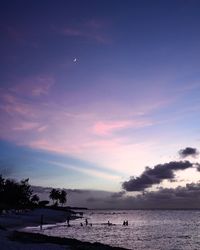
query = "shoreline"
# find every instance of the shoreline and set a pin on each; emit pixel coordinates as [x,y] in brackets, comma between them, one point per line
[13,234]
[12,222]
[31,218]
[74,244]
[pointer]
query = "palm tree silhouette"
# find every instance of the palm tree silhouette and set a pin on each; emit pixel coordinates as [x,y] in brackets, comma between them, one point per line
[54,195]
[62,198]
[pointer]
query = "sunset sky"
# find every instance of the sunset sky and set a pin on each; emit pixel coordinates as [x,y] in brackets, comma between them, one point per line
[93,91]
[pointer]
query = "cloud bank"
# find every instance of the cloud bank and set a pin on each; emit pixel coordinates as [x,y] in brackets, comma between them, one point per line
[186,197]
[156,175]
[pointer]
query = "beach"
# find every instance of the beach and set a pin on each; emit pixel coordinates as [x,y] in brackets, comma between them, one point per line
[59,243]
[13,235]
[13,220]
[18,221]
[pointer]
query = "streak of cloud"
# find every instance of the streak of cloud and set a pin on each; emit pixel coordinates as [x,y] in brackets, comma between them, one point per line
[90,29]
[88,171]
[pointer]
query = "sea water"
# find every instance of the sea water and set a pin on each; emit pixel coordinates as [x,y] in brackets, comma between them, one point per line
[165,229]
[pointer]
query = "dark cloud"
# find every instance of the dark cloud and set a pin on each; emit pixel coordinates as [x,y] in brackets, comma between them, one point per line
[155,175]
[92,199]
[77,191]
[186,197]
[188,152]
[118,194]
[180,197]
[111,197]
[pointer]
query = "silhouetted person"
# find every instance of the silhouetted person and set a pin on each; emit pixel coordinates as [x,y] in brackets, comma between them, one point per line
[86,222]
[68,218]
[81,224]
[109,224]
[124,223]
[41,221]
[127,223]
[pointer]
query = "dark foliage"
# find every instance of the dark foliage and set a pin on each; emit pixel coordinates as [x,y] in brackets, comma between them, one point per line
[58,196]
[16,195]
[35,199]
[43,203]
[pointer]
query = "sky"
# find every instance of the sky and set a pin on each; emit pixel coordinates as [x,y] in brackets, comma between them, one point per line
[93,92]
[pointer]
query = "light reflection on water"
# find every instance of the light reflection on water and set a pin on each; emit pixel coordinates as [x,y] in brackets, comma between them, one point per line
[146,230]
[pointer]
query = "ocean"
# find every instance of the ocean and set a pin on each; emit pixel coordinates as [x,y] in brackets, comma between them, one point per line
[157,229]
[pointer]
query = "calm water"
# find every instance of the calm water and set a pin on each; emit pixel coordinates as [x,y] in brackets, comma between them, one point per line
[146,229]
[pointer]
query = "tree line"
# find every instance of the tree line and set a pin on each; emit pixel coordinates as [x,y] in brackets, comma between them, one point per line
[19,195]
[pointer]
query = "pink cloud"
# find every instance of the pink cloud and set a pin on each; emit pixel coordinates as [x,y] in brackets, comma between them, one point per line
[19,35]
[35,86]
[91,29]
[105,128]
[96,23]
[57,128]
[13,105]
[8,97]
[54,145]
[26,126]
[42,128]
[46,145]
[14,34]
[51,124]
[14,99]
[72,32]
[93,35]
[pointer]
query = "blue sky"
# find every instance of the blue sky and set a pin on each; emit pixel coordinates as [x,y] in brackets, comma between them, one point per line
[129,100]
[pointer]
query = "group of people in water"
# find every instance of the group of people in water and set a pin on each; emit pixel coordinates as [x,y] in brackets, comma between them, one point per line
[125,223]
[86,223]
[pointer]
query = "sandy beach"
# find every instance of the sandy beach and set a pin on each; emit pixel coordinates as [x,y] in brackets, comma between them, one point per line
[13,221]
